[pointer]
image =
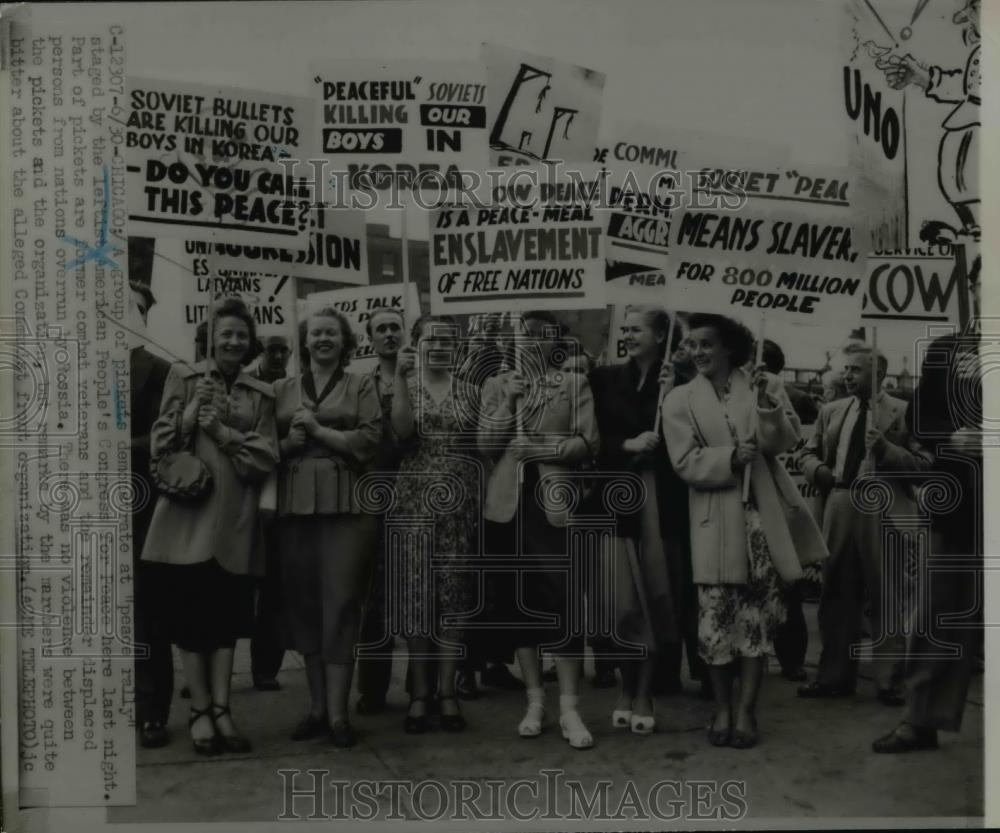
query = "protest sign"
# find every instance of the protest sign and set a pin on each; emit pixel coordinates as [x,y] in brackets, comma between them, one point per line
[338,251]
[360,304]
[790,252]
[184,278]
[202,163]
[407,122]
[540,247]
[874,116]
[911,289]
[540,108]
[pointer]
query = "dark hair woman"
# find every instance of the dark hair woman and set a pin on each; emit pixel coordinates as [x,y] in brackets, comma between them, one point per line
[329,422]
[213,543]
[434,415]
[719,424]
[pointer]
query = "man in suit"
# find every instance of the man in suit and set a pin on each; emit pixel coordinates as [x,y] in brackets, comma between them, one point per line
[266,648]
[154,675]
[855,437]
[947,416]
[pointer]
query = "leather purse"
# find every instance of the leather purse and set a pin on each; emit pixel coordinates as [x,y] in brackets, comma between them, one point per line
[182,476]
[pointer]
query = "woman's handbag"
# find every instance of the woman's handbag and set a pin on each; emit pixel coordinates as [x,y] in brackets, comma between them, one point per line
[182,476]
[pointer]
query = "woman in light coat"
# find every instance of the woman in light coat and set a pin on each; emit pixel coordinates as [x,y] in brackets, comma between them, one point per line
[213,544]
[718,426]
[530,492]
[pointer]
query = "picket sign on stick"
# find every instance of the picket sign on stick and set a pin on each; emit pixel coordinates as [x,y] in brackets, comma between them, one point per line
[405,240]
[667,358]
[518,321]
[874,398]
[753,414]
[297,341]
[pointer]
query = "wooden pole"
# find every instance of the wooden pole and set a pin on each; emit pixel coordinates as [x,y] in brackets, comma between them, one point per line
[405,254]
[296,342]
[873,410]
[667,356]
[753,414]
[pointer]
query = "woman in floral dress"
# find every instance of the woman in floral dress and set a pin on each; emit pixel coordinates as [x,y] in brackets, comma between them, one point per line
[722,426]
[439,480]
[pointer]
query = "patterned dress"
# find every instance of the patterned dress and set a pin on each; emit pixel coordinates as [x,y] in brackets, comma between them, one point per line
[439,485]
[741,620]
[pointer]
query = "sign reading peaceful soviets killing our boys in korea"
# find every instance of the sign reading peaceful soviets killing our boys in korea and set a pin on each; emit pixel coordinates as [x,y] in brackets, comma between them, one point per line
[382,123]
[543,251]
[202,163]
[791,250]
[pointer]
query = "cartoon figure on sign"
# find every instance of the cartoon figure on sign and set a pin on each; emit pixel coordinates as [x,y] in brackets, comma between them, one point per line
[524,105]
[958,153]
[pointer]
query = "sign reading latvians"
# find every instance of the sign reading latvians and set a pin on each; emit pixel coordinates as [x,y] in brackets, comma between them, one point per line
[540,247]
[185,281]
[415,123]
[791,251]
[540,109]
[338,251]
[359,305]
[202,163]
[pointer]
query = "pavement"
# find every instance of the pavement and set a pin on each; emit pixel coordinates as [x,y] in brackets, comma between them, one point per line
[814,760]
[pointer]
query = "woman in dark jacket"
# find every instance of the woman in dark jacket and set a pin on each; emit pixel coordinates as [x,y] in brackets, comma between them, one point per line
[648,556]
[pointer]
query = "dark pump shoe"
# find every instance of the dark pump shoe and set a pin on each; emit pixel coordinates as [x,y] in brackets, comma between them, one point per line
[266,684]
[465,685]
[341,735]
[152,734]
[452,722]
[890,697]
[309,727]
[817,689]
[416,724]
[906,738]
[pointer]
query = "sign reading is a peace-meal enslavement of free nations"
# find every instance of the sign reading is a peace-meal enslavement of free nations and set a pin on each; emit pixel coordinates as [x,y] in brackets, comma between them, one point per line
[202,163]
[406,122]
[791,251]
[338,251]
[542,250]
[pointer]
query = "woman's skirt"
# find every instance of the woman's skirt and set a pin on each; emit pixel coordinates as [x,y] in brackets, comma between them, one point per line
[206,607]
[325,567]
[741,620]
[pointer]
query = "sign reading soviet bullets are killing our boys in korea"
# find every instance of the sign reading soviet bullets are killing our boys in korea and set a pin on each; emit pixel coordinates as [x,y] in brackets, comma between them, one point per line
[410,121]
[202,163]
[791,250]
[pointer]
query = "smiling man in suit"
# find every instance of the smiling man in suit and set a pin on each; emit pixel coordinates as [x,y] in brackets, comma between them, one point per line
[861,436]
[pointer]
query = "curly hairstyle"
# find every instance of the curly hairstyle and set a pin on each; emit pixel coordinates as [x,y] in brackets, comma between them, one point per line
[233,307]
[350,339]
[735,337]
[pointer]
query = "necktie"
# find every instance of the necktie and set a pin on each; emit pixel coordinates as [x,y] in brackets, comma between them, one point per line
[856,446]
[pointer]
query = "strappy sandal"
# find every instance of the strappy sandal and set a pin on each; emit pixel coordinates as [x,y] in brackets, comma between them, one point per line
[230,743]
[204,746]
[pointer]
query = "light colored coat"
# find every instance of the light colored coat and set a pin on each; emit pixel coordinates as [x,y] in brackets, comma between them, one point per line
[224,524]
[902,453]
[701,449]
[564,409]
